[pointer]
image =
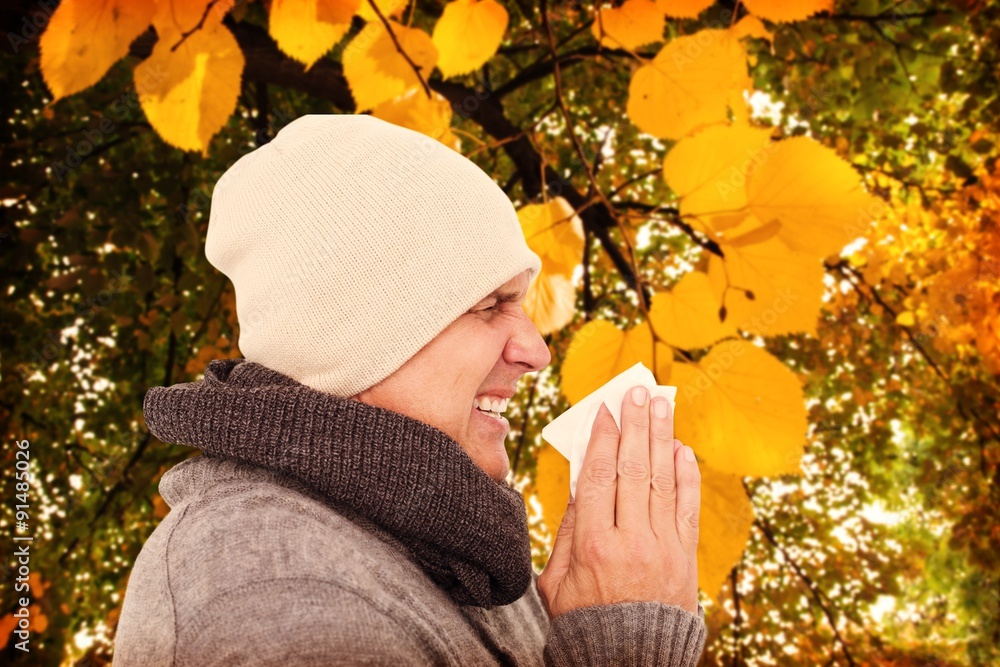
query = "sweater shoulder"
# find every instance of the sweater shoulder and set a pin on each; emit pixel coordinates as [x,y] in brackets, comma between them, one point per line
[244,549]
[248,524]
[236,532]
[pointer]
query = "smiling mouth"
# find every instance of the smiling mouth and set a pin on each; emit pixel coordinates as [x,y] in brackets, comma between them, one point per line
[489,413]
[500,422]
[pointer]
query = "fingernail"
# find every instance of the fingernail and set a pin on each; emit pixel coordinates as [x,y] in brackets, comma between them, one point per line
[639,396]
[660,409]
[689,454]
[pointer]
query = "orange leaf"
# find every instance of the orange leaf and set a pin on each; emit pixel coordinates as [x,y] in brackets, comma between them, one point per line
[85,38]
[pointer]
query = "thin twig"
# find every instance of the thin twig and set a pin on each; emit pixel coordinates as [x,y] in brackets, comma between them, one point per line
[188,33]
[764,527]
[416,68]
[639,288]
[673,217]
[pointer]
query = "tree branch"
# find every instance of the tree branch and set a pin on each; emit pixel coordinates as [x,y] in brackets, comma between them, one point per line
[399,47]
[674,219]
[609,210]
[325,80]
[813,589]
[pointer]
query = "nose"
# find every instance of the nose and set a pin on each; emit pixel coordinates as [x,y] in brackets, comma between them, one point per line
[526,347]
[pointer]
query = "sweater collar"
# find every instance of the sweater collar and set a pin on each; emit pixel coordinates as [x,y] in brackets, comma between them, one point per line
[467,531]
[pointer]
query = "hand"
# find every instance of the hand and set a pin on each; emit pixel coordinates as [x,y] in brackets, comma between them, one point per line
[632,532]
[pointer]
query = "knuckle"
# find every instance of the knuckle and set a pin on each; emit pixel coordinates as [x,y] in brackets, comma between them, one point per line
[602,472]
[661,435]
[664,485]
[595,548]
[690,517]
[641,552]
[633,470]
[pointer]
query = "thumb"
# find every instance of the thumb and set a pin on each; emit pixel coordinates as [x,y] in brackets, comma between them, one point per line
[559,560]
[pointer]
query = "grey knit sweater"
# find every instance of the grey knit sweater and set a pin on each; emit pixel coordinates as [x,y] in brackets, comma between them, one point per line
[322,531]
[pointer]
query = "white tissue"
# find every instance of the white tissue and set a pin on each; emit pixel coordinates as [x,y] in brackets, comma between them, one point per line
[569,433]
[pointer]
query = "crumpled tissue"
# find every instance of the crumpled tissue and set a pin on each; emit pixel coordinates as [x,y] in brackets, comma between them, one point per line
[569,433]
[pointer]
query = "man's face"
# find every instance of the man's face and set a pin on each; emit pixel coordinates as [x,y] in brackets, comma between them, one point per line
[481,354]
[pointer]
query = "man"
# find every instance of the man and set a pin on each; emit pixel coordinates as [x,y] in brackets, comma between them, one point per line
[349,507]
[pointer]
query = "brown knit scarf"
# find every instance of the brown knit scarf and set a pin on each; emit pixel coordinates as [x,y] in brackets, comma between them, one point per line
[467,531]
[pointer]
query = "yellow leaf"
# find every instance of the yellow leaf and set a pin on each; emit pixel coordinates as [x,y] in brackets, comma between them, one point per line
[337,11]
[709,170]
[787,10]
[468,34]
[749,232]
[306,29]
[688,85]
[634,24]
[906,319]
[185,15]
[84,38]
[600,351]
[555,233]
[815,195]
[751,26]
[374,68]
[550,302]
[188,94]
[387,7]
[785,287]
[726,519]
[688,315]
[552,486]
[741,410]
[683,9]
[413,109]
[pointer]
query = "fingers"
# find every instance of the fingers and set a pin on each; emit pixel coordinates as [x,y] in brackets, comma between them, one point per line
[632,508]
[595,490]
[688,499]
[663,485]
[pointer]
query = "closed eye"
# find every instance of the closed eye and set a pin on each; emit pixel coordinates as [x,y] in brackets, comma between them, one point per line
[500,300]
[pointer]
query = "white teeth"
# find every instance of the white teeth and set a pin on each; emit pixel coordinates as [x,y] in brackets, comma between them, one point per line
[486,404]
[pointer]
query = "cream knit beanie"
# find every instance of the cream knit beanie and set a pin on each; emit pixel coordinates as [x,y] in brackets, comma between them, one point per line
[353,242]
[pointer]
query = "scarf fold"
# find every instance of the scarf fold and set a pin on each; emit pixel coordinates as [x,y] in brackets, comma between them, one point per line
[468,532]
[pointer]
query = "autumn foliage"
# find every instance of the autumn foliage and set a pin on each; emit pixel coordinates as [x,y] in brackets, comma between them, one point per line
[787,209]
